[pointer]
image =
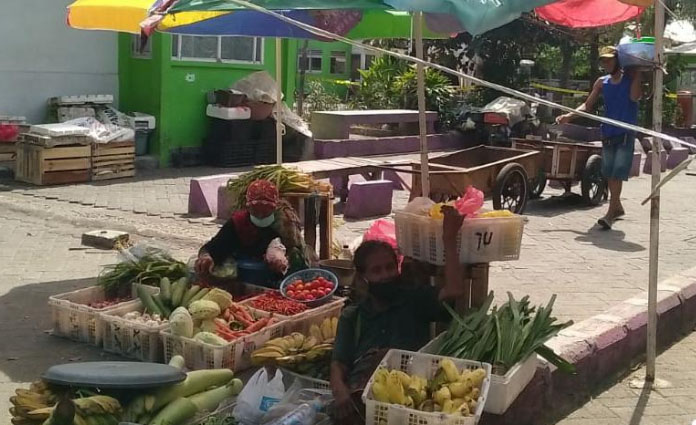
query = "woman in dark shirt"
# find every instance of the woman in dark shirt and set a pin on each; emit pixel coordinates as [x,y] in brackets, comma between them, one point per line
[395,313]
[249,232]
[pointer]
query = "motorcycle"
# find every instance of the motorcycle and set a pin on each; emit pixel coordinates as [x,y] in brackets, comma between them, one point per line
[498,122]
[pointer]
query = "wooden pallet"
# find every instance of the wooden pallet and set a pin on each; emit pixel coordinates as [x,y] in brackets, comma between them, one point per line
[113,160]
[46,166]
[7,152]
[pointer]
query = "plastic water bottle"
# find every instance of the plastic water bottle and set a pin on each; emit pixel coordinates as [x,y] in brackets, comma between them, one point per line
[303,414]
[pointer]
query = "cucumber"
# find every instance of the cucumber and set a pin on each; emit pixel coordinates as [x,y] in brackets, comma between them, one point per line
[178,291]
[166,290]
[148,301]
[163,308]
[193,290]
[200,294]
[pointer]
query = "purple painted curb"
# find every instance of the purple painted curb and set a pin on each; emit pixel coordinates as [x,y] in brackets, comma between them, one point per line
[600,347]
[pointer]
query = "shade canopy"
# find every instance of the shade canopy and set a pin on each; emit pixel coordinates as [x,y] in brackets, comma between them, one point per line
[588,13]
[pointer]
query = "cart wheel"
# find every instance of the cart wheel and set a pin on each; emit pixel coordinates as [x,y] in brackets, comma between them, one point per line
[593,184]
[511,189]
[537,185]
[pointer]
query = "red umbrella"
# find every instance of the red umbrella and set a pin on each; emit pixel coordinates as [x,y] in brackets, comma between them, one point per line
[588,13]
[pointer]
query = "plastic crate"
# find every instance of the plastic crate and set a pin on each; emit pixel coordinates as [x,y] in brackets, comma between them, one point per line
[74,319]
[480,240]
[303,321]
[304,381]
[236,355]
[425,365]
[504,388]
[132,339]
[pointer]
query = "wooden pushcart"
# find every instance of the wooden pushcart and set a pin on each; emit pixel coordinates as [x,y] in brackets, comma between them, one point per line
[501,173]
[567,163]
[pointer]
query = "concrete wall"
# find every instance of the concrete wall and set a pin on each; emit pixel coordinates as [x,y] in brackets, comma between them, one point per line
[41,57]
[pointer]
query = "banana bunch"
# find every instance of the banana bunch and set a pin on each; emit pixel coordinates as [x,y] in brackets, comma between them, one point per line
[450,391]
[26,401]
[38,405]
[297,348]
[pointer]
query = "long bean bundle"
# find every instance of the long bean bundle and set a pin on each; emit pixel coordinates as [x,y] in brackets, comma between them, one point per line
[285,179]
[504,336]
[147,270]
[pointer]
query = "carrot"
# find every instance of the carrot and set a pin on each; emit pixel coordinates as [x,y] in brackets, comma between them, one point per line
[258,325]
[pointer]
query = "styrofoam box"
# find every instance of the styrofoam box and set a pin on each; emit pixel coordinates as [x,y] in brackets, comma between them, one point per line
[140,121]
[480,240]
[425,365]
[56,130]
[83,98]
[504,388]
[223,113]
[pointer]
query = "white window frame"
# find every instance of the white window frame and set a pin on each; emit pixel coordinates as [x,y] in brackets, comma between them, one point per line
[310,56]
[254,61]
[335,56]
[135,47]
[691,69]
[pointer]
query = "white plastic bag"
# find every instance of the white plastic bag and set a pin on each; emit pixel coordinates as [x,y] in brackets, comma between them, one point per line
[258,396]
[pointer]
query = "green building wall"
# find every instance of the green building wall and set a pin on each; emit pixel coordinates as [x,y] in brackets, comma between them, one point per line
[174,91]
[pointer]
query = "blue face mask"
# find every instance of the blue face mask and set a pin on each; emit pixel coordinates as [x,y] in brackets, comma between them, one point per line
[262,222]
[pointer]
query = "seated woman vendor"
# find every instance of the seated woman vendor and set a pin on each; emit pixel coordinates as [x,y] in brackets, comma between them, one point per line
[396,312]
[250,231]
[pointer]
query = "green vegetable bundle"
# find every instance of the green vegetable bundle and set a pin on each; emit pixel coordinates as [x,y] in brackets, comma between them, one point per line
[147,270]
[504,336]
[285,179]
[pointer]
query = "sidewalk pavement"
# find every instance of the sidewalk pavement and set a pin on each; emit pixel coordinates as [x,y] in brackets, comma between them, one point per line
[563,251]
[622,405]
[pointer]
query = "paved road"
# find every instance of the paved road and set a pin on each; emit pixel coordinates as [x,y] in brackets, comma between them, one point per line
[673,405]
[562,253]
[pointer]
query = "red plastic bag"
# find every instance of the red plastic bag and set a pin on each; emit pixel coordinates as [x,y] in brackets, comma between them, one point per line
[470,202]
[384,230]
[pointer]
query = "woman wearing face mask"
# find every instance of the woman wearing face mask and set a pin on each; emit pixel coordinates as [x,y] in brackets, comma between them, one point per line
[249,232]
[395,311]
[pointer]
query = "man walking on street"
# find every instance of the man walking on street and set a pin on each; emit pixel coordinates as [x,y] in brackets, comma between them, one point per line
[621,91]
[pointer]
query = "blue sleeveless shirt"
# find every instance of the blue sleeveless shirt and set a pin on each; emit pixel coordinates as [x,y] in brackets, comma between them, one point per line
[618,105]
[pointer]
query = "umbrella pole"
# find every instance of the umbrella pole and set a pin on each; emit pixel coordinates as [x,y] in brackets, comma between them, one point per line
[279,101]
[422,126]
[655,201]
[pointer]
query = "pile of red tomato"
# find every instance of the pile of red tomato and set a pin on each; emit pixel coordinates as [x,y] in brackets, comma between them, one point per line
[309,291]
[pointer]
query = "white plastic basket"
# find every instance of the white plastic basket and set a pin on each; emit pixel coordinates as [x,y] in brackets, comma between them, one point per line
[425,365]
[303,321]
[480,240]
[235,355]
[305,381]
[132,339]
[504,388]
[74,319]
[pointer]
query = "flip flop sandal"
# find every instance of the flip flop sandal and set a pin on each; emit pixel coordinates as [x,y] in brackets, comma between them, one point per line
[605,223]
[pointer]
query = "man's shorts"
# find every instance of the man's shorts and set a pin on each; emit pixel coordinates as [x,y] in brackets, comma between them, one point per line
[617,156]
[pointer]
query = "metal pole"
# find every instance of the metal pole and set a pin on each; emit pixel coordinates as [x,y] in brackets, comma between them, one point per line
[655,201]
[422,125]
[279,101]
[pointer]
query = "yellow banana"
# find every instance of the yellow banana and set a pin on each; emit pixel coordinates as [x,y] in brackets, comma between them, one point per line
[334,326]
[450,370]
[315,331]
[379,390]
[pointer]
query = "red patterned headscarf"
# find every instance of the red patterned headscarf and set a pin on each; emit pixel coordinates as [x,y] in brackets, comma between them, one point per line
[262,192]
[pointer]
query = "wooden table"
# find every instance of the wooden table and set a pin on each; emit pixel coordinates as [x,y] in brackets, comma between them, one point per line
[336,124]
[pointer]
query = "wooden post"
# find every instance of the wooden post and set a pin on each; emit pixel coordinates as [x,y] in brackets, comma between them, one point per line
[279,100]
[651,354]
[422,124]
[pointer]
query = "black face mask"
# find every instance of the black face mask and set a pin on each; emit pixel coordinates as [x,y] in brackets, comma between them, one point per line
[385,290]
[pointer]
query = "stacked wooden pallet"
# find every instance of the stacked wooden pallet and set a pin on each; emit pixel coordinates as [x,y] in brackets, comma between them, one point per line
[42,165]
[113,160]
